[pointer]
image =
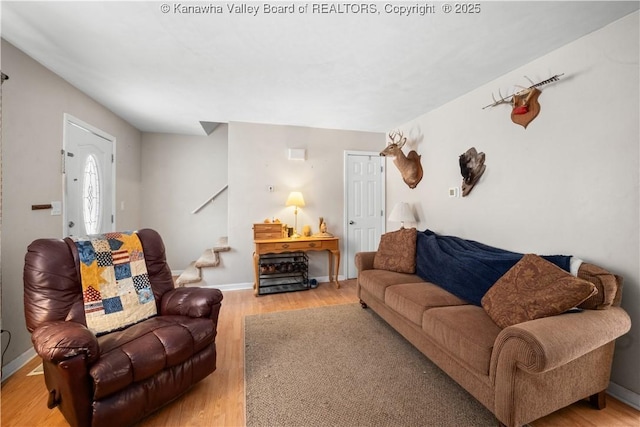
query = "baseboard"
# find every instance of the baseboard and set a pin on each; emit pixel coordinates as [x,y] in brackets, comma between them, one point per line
[232,286]
[624,395]
[17,363]
[249,285]
[325,279]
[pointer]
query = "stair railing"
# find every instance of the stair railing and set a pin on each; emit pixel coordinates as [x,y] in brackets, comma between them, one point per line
[209,200]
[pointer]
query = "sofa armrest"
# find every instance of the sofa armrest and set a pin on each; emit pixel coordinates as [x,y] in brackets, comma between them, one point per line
[364,260]
[192,302]
[59,340]
[544,344]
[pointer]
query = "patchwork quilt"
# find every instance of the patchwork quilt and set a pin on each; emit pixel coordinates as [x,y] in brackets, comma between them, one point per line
[115,283]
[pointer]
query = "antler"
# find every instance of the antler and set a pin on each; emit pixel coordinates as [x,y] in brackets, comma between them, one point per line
[507,99]
[502,100]
[401,138]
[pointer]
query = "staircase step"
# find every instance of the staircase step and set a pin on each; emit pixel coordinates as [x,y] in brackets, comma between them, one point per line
[190,275]
[210,257]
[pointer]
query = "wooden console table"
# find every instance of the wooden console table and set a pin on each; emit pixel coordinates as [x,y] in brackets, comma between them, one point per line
[302,244]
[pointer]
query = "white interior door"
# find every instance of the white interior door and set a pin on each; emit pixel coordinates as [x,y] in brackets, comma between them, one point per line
[364,205]
[88,179]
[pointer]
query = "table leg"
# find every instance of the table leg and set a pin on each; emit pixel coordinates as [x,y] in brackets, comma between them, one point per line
[336,254]
[256,273]
[330,259]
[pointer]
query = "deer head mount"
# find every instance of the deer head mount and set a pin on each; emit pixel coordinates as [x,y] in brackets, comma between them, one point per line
[525,106]
[409,165]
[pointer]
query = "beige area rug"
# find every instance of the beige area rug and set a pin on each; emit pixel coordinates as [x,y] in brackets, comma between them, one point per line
[344,366]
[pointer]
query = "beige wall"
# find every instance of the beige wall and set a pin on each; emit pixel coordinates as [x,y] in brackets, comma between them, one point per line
[34,101]
[257,159]
[179,173]
[567,184]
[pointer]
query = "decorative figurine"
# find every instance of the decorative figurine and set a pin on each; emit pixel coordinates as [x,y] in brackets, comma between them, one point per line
[323,229]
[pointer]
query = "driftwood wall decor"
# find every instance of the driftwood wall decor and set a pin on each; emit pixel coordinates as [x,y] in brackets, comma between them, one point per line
[524,103]
[471,167]
[409,165]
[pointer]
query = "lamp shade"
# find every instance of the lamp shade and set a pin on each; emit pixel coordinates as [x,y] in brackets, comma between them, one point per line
[295,199]
[402,213]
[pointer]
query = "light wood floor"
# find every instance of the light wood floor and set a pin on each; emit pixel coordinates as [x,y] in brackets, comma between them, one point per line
[219,399]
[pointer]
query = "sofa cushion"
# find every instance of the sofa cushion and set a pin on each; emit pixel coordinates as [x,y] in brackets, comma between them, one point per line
[397,251]
[377,281]
[534,288]
[144,349]
[466,332]
[412,299]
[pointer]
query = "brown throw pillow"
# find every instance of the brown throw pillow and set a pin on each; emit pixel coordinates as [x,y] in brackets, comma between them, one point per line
[534,288]
[606,283]
[397,251]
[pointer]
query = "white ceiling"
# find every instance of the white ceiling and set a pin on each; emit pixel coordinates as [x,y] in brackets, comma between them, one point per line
[166,72]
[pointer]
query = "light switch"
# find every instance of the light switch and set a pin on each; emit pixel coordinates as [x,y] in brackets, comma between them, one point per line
[56,208]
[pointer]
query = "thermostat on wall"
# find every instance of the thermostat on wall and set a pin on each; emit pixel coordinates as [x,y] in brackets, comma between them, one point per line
[297,153]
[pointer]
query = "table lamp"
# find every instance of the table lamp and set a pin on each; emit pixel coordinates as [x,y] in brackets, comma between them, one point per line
[295,199]
[402,213]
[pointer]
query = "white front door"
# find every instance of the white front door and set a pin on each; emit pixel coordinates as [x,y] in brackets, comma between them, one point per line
[88,179]
[364,205]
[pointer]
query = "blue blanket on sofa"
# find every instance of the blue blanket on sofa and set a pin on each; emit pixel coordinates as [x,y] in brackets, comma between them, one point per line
[466,268]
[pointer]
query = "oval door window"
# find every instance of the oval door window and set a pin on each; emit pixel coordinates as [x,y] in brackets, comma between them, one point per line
[91,196]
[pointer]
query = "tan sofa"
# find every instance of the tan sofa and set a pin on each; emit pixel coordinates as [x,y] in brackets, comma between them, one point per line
[520,372]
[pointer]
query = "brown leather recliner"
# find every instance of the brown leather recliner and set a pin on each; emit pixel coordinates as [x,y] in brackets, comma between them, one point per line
[118,378]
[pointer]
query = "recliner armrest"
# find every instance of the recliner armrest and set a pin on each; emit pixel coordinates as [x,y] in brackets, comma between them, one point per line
[59,340]
[192,302]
